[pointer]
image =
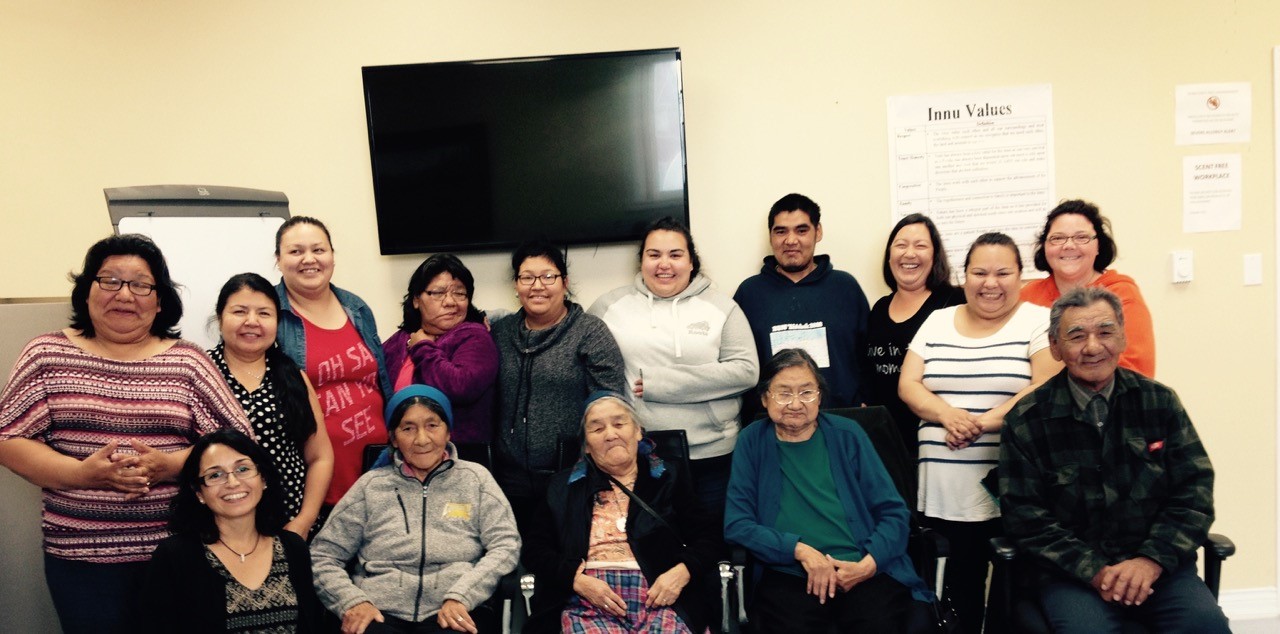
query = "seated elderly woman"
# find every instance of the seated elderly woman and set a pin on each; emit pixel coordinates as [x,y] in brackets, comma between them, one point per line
[809,497]
[620,536]
[431,535]
[231,566]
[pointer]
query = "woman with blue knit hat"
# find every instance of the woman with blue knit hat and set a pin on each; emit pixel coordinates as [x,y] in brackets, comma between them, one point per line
[620,535]
[420,513]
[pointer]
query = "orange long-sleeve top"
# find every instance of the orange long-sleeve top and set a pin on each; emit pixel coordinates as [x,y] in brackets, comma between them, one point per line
[1140,354]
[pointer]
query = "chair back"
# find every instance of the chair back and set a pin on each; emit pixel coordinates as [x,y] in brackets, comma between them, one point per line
[879,426]
[370,455]
[671,444]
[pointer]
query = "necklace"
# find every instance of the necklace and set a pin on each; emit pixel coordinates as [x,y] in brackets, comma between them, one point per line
[239,554]
[257,376]
[621,522]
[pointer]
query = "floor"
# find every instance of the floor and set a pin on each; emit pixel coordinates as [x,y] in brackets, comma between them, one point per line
[1268,626]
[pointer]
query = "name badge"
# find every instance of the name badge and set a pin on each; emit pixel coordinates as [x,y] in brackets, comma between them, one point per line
[457,510]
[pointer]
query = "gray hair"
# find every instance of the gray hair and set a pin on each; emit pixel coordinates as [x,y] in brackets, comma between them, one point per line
[1083,297]
[615,398]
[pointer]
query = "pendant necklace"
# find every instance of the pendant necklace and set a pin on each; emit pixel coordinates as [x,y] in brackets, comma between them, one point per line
[621,522]
[238,554]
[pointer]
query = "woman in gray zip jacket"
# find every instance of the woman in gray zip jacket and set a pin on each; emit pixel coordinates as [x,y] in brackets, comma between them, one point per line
[431,535]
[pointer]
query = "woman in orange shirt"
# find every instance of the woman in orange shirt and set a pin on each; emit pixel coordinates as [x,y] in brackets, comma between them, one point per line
[1075,248]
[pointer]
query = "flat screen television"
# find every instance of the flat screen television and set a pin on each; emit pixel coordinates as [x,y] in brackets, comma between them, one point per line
[482,155]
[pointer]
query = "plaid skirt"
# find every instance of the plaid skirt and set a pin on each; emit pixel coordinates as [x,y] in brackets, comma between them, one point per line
[580,617]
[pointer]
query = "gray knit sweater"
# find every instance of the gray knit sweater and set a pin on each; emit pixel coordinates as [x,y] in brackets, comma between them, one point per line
[544,378]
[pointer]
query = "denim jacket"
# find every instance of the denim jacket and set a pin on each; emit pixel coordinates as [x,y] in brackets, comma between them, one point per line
[291,336]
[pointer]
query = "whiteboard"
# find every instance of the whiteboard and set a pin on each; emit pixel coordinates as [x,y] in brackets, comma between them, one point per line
[203,253]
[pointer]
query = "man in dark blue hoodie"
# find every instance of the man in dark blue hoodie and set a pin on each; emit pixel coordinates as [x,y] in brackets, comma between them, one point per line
[800,301]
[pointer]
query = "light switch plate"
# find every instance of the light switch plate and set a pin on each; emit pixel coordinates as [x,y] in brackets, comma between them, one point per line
[1252,269]
[1183,267]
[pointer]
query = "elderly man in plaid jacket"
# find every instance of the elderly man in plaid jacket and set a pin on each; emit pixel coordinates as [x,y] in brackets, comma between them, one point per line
[1105,486]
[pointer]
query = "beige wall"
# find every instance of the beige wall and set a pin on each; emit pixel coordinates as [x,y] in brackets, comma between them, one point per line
[779,97]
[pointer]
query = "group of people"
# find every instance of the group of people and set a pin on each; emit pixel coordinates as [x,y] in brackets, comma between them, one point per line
[253,455]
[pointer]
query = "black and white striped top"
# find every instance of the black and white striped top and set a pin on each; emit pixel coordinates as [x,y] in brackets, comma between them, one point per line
[974,375]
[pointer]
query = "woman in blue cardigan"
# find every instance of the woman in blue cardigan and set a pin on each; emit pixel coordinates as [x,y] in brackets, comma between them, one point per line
[809,497]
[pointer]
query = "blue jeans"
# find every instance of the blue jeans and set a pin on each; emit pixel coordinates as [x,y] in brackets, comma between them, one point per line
[1181,603]
[93,597]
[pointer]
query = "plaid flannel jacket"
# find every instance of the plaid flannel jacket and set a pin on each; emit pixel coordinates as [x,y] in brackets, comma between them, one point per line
[1075,500]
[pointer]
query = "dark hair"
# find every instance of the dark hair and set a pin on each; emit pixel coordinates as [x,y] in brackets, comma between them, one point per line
[1083,297]
[790,358]
[166,321]
[301,220]
[995,239]
[796,202]
[939,273]
[422,276]
[1107,249]
[189,517]
[541,248]
[286,378]
[667,223]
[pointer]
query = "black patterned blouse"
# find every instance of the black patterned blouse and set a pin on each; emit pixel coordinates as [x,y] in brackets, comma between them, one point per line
[272,607]
[264,412]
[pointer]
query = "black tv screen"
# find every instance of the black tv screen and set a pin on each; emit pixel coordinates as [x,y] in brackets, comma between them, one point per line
[485,154]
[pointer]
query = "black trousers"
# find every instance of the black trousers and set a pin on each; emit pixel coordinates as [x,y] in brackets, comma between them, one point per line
[966,576]
[878,604]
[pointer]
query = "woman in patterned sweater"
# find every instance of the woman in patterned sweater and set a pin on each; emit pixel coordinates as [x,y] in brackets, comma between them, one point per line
[275,394]
[100,416]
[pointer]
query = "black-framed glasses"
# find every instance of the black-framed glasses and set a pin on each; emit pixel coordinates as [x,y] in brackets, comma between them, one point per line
[141,289]
[548,279]
[1080,239]
[458,295]
[786,398]
[241,472]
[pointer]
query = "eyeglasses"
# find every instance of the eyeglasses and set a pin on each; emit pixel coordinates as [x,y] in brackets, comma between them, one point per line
[787,398]
[1080,239]
[458,295]
[141,289]
[548,279]
[241,472]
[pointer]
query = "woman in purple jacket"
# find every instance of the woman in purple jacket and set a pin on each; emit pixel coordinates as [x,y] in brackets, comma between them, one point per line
[444,342]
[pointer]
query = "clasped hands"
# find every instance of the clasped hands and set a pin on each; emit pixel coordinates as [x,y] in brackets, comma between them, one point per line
[826,573]
[964,427]
[1127,582]
[132,474]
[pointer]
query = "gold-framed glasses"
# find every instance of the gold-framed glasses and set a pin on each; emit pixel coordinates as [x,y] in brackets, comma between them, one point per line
[787,398]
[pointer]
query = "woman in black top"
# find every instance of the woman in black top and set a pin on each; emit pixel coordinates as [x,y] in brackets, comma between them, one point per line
[230,566]
[919,278]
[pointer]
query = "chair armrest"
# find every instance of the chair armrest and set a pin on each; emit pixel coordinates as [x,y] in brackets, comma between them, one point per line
[1003,549]
[1219,546]
[935,543]
[526,588]
[1216,548]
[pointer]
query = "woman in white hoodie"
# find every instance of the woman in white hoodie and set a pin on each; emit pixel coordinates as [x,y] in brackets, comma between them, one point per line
[688,350]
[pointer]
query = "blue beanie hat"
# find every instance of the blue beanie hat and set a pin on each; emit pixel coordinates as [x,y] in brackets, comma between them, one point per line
[599,394]
[418,390]
[402,396]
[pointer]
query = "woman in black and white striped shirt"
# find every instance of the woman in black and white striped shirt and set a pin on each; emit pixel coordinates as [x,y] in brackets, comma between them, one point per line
[964,370]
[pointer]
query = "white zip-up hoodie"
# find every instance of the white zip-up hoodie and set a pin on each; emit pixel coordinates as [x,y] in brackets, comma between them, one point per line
[696,355]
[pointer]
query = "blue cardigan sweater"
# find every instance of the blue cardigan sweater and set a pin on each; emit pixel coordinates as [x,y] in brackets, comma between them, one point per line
[863,485]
